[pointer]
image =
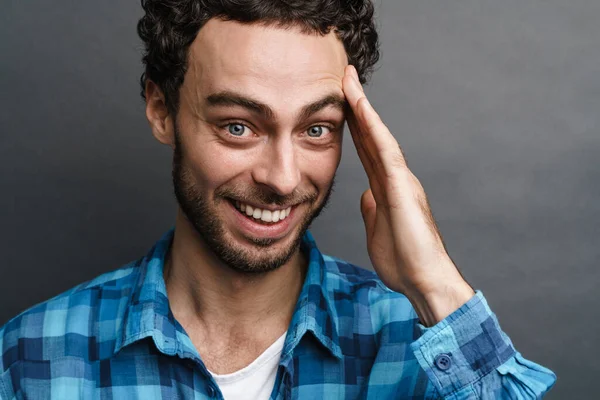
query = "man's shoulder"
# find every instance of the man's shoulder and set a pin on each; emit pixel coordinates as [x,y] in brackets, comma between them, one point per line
[348,276]
[354,289]
[342,275]
[76,316]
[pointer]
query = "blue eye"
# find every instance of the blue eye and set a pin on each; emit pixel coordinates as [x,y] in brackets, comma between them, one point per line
[236,129]
[316,131]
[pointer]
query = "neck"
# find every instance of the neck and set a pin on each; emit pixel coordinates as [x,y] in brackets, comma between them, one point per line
[212,299]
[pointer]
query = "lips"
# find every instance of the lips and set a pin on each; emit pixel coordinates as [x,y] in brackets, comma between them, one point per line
[260,224]
[263,214]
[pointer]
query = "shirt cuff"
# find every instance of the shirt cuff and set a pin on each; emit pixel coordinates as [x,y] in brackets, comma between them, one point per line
[463,347]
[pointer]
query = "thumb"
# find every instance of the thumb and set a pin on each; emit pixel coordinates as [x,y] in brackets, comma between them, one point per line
[368,208]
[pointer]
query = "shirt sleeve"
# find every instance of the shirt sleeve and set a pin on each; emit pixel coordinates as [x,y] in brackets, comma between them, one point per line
[468,356]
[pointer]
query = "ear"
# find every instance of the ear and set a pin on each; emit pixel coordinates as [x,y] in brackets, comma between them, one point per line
[158,115]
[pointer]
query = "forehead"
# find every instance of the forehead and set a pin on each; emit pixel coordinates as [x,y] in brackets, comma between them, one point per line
[282,67]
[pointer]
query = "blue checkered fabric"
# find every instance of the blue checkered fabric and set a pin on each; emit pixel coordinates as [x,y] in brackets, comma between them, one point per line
[115,337]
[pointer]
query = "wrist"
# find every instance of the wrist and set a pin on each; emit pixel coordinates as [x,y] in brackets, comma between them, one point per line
[438,302]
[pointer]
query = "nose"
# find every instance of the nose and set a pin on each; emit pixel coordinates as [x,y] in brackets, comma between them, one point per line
[278,168]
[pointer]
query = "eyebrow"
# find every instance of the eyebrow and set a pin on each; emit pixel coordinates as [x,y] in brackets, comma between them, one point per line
[229,98]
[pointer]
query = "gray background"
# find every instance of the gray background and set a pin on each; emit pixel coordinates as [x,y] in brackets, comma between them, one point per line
[496,104]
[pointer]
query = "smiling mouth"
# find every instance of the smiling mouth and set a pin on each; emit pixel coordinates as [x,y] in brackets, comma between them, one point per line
[260,215]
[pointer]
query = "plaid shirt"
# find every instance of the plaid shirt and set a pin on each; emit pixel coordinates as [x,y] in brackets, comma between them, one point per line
[115,337]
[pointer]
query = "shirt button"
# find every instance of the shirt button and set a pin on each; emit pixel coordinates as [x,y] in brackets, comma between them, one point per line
[443,362]
[211,391]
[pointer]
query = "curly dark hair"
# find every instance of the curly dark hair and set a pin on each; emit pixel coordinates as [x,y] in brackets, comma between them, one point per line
[169,27]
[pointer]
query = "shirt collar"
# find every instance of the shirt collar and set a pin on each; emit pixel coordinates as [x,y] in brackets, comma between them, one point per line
[148,313]
[314,311]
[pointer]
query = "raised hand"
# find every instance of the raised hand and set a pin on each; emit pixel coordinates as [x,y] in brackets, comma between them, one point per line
[403,240]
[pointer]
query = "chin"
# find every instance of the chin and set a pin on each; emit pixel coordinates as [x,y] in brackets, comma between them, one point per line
[244,244]
[255,255]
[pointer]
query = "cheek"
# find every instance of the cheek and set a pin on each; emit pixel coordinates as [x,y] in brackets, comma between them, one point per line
[211,164]
[320,166]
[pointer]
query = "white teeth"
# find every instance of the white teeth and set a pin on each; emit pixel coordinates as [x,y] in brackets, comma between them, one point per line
[266,216]
[263,215]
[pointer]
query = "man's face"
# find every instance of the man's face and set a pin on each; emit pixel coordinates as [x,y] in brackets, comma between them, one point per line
[258,138]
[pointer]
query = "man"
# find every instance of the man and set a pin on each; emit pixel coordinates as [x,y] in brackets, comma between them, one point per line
[237,302]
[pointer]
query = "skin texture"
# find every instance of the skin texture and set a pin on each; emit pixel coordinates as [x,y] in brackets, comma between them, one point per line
[274,159]
[404,243]
[225,303]
[234,289]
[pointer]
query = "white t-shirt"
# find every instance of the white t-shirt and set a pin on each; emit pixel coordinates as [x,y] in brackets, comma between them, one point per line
[254,381]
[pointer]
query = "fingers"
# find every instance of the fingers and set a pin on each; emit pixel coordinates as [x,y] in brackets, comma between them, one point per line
[358,139]
[378,143]
[360,147]
[365,159]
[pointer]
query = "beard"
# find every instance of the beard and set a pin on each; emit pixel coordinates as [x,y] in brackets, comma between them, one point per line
[202,213]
